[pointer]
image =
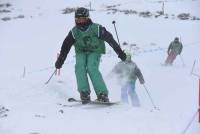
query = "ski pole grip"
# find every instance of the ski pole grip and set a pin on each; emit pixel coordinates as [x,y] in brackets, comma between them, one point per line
[113,22]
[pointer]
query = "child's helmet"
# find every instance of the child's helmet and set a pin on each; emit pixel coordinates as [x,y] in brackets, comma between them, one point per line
[128,56]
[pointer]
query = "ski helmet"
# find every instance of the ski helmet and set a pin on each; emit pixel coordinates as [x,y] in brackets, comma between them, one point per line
[176,39]
[81,16]
[82,12]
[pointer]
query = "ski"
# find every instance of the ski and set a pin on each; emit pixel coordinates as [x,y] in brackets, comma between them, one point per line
[94,102]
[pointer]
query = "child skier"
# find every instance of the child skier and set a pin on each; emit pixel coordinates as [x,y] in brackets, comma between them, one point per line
[127,73]
[174,49]
[88,39]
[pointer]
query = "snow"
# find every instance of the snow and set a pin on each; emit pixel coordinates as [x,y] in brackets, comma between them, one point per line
[33,43]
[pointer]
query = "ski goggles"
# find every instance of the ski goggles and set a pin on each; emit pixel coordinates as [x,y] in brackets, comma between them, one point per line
[81,20]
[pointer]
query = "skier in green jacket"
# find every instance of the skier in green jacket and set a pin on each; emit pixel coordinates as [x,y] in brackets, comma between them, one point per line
[174,49]
[88,39]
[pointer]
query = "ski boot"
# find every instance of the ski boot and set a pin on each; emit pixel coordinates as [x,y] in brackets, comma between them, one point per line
[85,97]
[102,97]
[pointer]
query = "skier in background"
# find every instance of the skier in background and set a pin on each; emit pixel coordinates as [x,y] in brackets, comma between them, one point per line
[174,49]
[127,73]
[88,39]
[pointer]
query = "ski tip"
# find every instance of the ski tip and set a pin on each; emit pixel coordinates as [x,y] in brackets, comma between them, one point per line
[71,100]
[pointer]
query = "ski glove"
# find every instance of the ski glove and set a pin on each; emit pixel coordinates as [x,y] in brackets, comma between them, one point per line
[122,56]
[59,63]
[142,82]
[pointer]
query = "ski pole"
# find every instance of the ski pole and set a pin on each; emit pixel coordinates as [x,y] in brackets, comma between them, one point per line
[190,122]
[51,76]
[181,56]
[193,67]
[113,22]
[150,98]
[182,60]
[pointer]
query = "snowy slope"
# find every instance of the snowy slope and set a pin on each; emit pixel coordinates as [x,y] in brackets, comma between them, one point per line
[33,42]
